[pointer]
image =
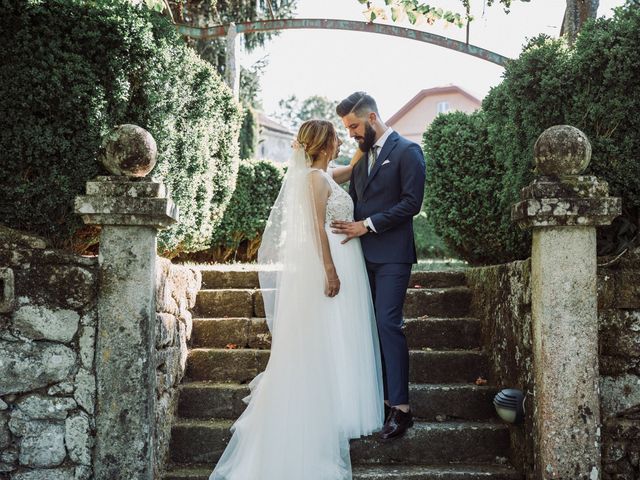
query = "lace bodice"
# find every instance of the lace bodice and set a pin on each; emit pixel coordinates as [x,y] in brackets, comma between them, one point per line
[339,204]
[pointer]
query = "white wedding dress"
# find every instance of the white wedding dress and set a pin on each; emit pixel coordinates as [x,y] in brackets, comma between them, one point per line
[323,383]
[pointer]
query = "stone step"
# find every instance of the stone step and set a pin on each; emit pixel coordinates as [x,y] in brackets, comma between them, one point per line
[429,402]
[387,472]
[245,278]
[426,366]
[203,441]
[438,333]
[247,303]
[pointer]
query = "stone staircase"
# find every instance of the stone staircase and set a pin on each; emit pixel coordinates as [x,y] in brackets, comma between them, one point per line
[456,435]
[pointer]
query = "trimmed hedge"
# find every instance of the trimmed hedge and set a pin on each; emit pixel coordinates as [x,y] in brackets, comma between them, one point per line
[461,186]
[240,232]
[594,87]
[257,188]
[72,70]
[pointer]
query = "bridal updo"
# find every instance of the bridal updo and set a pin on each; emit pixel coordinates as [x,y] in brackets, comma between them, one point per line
[315,136]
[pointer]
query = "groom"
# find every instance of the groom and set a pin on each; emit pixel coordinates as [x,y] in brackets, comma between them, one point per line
[387,186]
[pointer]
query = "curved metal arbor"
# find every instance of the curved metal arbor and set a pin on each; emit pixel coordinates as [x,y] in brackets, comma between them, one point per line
[352,25]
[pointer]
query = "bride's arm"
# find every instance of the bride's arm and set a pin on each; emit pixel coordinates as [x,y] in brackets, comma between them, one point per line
[342,174]
[320,191]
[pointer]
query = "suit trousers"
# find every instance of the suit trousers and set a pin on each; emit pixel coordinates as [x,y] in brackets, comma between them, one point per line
[389,282]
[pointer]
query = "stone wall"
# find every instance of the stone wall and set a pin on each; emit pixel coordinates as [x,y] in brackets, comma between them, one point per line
[502,300]
[619,330]
[48,315]
[176,290]
[47,376]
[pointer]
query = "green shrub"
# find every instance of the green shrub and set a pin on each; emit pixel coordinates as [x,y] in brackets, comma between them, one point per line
[594,87]
[606,94]
[461,186]
[257,188]
[72,70]
[428,244]
[533,96]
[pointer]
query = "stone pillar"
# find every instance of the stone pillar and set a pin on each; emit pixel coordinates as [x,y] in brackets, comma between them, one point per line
[232,67]
[130,208]
[564,208]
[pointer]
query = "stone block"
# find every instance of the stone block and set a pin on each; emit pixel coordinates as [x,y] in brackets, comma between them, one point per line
[5,433]
[41,323]
[7,290]
[48,474]
[216,278]
[628,289]
[184,350]
[78,438]
[225,303]
[90,318]
[45,408]
[8,459]
[618,393]
[258,304]
[83,472]
[85,392]
[134,211]
[64,286]
[187,318]
[87,344]
[449,302]
[166,326]
[11,239]
[62,388]
[606,285]
[27,366]
[41,442]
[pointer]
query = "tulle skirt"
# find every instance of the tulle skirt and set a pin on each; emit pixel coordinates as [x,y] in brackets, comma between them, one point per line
[322,385]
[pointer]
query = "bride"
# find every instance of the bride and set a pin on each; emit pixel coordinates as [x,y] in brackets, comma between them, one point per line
[323,383]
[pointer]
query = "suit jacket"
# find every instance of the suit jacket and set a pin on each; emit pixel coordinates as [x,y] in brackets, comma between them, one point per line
[391,195]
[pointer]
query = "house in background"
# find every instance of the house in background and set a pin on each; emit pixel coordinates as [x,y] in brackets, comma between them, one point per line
[274,140]
[413,119]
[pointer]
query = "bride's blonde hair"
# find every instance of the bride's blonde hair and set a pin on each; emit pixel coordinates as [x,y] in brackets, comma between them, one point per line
[314,136]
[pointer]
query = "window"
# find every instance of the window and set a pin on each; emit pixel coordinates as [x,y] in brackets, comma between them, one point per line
[443,107]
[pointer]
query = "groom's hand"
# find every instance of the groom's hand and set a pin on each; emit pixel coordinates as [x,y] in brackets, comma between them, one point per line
[350,229]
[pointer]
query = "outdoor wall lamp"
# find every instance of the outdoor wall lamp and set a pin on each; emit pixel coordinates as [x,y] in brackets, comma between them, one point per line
[509,404]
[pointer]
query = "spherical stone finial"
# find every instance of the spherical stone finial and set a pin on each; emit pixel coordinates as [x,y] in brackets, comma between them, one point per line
[129,150]
[562,150]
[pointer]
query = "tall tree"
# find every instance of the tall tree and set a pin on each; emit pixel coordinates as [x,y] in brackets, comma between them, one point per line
[576,14]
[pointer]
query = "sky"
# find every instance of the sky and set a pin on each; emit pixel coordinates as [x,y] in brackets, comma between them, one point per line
[393,70]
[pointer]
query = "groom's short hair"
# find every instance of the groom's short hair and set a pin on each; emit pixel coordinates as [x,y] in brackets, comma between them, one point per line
[359,103]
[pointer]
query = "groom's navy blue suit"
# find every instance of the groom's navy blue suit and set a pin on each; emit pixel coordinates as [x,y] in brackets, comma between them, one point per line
[390,196]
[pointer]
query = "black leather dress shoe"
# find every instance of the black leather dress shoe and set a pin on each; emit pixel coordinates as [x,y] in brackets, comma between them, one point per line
[387,411]
[396,425]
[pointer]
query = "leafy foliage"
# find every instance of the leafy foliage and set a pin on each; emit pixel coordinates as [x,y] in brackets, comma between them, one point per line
[593,86]
[428,244]
[461,185]
[533,96]
[417,12]
[221,12]
[239,234]
[72,70]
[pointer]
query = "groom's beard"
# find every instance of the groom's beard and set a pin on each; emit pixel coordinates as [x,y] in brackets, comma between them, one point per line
[365,143]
